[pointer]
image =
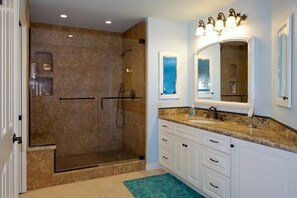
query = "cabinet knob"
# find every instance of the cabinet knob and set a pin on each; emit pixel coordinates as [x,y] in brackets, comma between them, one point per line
[232,145]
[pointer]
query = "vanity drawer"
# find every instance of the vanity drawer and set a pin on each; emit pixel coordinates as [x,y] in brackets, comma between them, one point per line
[166,158]
[166,126]
[216,160]
[165,139]
[215,184]
[217,141]
[189,133]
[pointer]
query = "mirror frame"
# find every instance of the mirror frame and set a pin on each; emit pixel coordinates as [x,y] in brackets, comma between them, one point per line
[251,65]
[286,101]
[161,76]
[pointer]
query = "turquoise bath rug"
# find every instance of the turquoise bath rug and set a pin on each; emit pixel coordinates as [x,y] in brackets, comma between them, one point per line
[160,186]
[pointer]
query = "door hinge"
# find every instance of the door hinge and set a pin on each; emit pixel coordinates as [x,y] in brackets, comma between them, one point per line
[20,117]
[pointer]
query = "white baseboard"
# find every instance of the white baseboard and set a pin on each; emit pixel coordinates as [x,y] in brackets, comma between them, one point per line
[153,166]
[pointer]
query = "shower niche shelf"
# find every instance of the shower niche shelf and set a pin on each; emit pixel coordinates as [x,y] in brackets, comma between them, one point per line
[44,63]
[43,86]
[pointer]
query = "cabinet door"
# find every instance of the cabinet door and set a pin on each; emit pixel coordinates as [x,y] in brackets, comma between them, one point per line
[259,171]
[180,157]
[194,164]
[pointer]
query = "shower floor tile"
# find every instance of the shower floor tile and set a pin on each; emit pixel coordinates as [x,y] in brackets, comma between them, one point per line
[93,159]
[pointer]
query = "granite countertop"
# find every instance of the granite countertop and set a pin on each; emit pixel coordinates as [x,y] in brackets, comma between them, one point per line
[282,139]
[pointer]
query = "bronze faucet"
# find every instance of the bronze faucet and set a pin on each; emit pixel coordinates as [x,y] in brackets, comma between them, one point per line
[215,113]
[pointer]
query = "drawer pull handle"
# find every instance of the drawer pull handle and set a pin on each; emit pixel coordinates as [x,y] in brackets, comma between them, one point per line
[164,140]
[216,161]
[184,145]
[164,126]
[214,141]
[213,185]
[165,157]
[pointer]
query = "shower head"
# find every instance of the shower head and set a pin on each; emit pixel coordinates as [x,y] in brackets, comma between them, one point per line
[125,52]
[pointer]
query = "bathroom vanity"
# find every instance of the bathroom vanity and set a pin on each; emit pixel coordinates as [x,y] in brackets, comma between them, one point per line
[227,158]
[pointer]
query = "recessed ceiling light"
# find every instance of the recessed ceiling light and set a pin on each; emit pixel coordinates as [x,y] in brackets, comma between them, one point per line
[70,35]
[63,16]
[108,22]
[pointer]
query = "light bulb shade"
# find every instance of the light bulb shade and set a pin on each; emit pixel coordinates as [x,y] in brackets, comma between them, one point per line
[199,31]
[231,22]
[209,28]
[219,26]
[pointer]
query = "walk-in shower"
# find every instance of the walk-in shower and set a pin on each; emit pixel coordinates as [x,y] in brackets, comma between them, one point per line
[91,103]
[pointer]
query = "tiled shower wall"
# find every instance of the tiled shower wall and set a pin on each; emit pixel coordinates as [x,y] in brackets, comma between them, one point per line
[134,129]
[234,70]
[87,65]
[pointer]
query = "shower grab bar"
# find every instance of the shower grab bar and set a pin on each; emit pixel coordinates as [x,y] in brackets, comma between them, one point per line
[87,98]
[112,98]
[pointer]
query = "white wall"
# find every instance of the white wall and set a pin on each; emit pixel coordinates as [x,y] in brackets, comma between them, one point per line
[258,24]
[162,36]
[280,10]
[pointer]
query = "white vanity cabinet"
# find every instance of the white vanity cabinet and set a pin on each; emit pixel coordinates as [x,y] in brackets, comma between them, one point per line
[221,166]
[187,161]
[200,157]
[166,141]
[259,171]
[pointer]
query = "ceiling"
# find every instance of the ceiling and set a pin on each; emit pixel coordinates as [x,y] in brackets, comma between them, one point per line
[123,13]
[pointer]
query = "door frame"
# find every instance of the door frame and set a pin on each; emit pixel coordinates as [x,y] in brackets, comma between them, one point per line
[24,65]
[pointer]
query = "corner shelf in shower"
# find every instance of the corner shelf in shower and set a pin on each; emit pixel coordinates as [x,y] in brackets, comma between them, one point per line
[113,98]
[43,86]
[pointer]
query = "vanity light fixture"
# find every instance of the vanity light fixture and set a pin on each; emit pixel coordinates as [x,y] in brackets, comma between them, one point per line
[108,22]
[200,28]
[220,23]
[234,19]
[70,35]
[210,25]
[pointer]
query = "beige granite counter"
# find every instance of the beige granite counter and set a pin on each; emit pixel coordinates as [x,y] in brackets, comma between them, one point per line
[267,132]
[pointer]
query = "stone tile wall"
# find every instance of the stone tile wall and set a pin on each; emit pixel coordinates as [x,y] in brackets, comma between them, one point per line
[134,129]
[234,70]
[87,65]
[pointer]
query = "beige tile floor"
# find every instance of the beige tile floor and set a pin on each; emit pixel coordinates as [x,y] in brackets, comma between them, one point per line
[107,187]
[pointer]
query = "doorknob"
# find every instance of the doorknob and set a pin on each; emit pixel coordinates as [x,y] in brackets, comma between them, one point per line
[15,138]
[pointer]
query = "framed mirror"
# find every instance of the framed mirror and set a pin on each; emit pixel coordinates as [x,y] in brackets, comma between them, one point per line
[224,73]
[168,75]
[284,55]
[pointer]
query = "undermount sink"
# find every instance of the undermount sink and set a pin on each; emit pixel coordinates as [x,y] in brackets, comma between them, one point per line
[203,121]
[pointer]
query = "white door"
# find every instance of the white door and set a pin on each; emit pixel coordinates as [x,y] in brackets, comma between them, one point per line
[8,94]
[180,152]
[194,164]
